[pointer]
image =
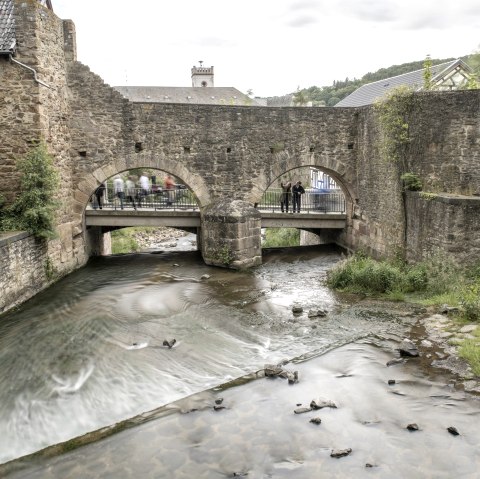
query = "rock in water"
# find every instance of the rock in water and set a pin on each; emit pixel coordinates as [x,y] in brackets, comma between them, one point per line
[408,348]
[301,410]
[341,452]
[395,361]
[412,427]
[320,403]
[168,343]
[453,430]
[316,420]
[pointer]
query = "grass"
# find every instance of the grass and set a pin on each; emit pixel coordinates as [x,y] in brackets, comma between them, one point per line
[281,237]
[123,240]
[470,351]
[435,281]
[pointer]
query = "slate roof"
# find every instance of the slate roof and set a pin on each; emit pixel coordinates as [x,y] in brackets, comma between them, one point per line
[7,27]
[367,94]
[192,95]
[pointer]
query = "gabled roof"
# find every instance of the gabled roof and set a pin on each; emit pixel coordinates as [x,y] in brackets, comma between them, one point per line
[7,27]
[192,95]
[367,94]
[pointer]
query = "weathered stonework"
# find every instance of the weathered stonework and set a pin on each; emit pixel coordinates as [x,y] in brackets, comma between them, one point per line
[230,154]
[231,235]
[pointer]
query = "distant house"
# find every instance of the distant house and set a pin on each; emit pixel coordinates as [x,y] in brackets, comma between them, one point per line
[445,76]
[202,92]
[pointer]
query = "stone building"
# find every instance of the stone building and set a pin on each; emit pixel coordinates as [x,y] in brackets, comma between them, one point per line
[202,92]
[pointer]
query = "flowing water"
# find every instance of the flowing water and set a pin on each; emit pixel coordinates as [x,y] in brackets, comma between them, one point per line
[90,352]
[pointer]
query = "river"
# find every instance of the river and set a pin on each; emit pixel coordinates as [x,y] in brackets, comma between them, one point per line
[89,352]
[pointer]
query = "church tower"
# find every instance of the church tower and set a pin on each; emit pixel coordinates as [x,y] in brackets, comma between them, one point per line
[202,76]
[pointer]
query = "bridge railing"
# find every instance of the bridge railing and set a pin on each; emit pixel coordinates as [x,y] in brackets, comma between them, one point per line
[312,201]
[155,198]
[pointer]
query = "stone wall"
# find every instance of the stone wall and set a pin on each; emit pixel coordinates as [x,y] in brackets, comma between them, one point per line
[25,269]
[443,223]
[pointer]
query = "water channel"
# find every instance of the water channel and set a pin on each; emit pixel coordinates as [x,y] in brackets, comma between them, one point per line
[89,352]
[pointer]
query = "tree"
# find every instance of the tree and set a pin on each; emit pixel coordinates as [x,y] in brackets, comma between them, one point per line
[427,73]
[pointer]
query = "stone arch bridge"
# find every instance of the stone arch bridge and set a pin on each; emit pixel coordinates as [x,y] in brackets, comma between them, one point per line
[229,155]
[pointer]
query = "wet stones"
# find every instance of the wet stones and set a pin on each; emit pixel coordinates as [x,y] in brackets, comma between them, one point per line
[302,410]
[320,403]
[413,427]
[453,431]
[391,382]
[317,313]
[277,370]
[205,276]
[408,348]
[297,309]
[316,420]
[341,452]
[168,343]
[394,361]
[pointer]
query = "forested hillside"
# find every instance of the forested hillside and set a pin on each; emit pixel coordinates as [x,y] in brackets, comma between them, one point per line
[330,95]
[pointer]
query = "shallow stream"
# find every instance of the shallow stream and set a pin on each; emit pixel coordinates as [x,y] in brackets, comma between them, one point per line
[90,352]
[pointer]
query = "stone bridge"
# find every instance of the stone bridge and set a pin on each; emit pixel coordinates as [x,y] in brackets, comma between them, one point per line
[229,155]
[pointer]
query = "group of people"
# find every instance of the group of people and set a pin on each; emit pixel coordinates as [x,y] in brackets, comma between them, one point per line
[294,192]
[133,192]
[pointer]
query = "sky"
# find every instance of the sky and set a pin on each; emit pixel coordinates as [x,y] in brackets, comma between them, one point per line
[271,47]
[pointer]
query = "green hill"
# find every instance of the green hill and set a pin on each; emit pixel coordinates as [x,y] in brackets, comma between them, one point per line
[331,95]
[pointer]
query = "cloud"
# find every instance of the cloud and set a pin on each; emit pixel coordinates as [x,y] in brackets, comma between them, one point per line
[301,21]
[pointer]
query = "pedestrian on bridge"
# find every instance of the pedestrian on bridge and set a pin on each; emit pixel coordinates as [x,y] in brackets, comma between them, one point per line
[285,195]
[297,192]
[118,189]
[99,192]
[144,188]
[130,190]
[170,187]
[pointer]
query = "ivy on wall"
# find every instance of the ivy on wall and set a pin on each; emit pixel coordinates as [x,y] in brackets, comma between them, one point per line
[392,113]
[34,208]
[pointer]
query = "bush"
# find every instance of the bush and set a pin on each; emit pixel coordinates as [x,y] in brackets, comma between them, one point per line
[278,237]
[34,208]
[411,182]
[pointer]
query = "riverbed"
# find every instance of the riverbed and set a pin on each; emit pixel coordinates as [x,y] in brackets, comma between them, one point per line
[90,352]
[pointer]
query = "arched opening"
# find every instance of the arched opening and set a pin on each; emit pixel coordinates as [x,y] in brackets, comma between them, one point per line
[303,191]
[143,188]
[137,210]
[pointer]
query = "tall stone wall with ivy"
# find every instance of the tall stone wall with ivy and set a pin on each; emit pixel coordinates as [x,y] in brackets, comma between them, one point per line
[31,112]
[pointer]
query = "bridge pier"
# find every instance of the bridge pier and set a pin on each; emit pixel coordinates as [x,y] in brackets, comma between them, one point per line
[231,235]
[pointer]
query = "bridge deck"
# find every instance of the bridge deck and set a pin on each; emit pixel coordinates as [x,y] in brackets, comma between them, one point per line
[191,219]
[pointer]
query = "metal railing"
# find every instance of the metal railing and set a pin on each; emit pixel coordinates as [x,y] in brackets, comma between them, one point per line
[155,198]
[312,201]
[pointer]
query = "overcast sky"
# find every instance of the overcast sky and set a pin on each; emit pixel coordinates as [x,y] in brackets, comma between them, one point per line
[269,46]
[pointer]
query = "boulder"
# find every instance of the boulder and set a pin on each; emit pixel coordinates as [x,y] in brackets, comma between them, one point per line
[408,348]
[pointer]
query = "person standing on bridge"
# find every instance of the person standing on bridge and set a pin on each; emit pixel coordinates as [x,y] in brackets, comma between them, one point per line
[144,188]
[130,190]
[99,192]
[285,195]
[169,185]
[297,191]
[118,189]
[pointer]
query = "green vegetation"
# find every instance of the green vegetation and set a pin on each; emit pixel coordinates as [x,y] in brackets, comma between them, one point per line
[281,237]
[435,281]
[34,208]
[392,111]
[331,95]
[123,240]
[427,73]
[470,351]
[411,182]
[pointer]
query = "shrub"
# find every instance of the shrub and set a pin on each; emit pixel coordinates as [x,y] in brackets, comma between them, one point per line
[411,182]
[34,208]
